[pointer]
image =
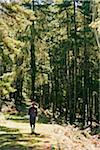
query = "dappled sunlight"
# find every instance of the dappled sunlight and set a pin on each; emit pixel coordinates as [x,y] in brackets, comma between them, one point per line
[5,129]
[11,140]
[17,136]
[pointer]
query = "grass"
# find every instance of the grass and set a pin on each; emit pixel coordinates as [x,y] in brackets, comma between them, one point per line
[43,119]
[12,139]
[25,118]
[17,117]
[8,130]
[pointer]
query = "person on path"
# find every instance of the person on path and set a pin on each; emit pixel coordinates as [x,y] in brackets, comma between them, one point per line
[32,113]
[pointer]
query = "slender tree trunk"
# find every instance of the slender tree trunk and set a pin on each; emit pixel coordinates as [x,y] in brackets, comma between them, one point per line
[97,106]
[19,84]
[75,64]
[68,78]
[18,93]
[32,50]
[86,74]
[1,73]
[53,94]
[70,90]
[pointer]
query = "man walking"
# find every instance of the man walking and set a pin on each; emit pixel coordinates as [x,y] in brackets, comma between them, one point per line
[32,113]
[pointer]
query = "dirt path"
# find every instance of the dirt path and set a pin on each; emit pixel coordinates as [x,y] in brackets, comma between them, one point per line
[20,132]
[16,136]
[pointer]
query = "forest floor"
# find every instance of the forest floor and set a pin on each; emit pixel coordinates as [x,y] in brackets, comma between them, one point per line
[15,135]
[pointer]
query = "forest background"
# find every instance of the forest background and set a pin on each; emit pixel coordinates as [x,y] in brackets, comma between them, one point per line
[49,51]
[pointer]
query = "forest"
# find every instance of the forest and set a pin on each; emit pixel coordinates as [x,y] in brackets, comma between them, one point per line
[49,51]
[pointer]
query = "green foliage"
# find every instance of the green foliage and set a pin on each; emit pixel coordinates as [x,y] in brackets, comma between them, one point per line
[43,119]
[14,21]
[5,84]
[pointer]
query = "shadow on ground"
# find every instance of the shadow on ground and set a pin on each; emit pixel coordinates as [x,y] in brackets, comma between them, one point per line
[24,118]
[18,118]
[12,139]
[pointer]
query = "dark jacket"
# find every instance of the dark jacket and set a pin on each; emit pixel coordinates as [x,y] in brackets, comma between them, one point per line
[32,112]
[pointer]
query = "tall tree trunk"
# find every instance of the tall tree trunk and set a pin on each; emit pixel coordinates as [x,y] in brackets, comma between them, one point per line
[19,84]
[75,64]
[67,75]
[86,74]
[32,50]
